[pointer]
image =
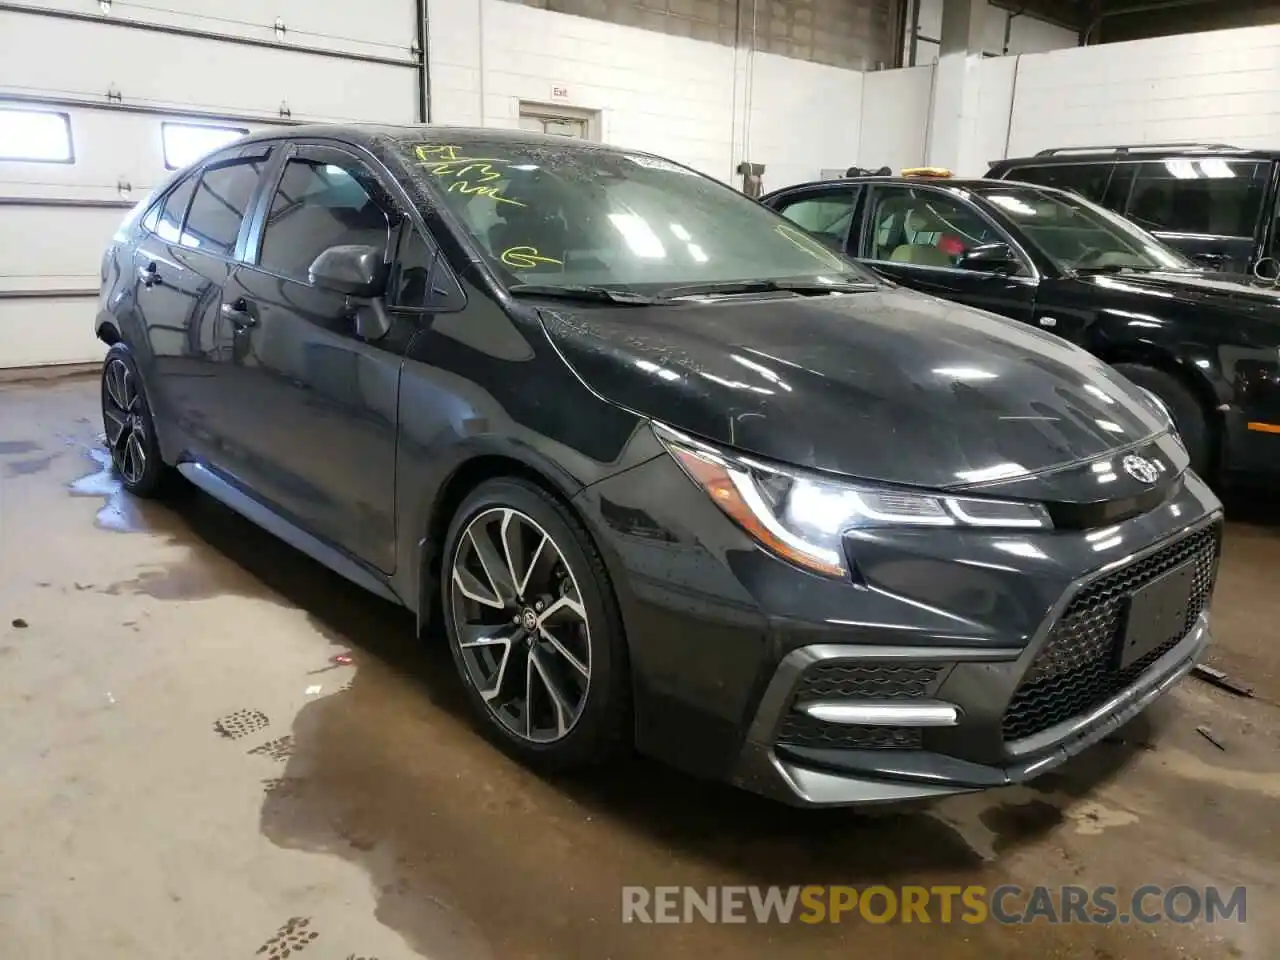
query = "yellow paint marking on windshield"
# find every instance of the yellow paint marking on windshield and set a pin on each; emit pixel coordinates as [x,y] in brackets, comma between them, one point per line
[810,246]
[526,258]
[469,174]
[464,186]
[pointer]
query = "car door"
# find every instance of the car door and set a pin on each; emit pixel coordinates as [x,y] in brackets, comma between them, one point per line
[189,244]
[825,212]
[918,236]
[309,393]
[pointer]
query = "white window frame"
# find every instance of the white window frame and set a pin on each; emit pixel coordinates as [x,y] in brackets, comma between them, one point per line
[8,157]
[182,124]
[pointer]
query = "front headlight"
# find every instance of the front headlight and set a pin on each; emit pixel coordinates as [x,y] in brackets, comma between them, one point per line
[803,517]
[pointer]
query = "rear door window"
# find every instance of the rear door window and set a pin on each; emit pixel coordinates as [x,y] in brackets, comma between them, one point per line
[219,205]
[1087,179]
[826,215]
[1199,195]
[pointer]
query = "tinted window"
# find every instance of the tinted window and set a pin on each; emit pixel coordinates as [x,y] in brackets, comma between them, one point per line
[827,215]
[924,227]
[412,274]
[317,206]
[1079,235]
[607,216]
[1199,195]
[1087,179]
[219,206]
[172,210]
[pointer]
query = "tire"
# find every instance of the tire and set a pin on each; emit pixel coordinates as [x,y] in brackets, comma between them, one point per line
[1188,413]
[130,429]
[556,639]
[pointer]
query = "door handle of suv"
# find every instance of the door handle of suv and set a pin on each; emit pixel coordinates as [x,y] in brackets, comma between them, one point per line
[238,313]
[149,275]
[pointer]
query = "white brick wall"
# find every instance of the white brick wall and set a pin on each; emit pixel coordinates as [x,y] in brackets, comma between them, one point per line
[667,94]
[1199,86]
[804,117]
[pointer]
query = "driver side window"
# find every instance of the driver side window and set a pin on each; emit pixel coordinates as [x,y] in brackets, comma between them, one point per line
[317,206]
[924,227]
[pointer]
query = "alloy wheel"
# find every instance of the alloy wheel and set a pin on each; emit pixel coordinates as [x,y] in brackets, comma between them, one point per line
[125,423]
[520,625]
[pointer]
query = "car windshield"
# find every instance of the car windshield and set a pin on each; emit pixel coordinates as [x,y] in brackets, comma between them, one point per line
[1081,236]
[588,217]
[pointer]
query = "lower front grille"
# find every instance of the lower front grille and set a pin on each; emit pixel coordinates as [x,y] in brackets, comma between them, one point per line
[845,679]
[1076,669]
[855,681]
[800,730]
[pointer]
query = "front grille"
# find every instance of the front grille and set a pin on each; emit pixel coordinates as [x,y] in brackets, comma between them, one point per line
[801,730]
[850,680]
[1075,669]
[853,680]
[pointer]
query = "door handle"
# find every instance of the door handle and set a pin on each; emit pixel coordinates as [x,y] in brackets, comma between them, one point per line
[149,275]
[238,313]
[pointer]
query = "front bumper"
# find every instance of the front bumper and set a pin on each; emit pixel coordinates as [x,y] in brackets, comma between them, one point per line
[817,777]
[725,641]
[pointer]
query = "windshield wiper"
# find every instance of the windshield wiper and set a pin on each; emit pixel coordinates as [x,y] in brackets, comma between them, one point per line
[809,287]
[579,292]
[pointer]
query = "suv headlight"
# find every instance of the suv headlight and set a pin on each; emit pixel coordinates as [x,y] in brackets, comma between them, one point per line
[803,516]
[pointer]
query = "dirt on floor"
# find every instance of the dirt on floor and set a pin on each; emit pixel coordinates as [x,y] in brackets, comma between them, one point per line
[215,748]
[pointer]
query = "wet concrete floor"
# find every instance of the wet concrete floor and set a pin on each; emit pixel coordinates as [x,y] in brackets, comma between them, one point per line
[189,772]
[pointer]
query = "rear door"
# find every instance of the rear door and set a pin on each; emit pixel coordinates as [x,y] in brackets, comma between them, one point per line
[311,404]
[1210,208]
[182,262]
[917,235]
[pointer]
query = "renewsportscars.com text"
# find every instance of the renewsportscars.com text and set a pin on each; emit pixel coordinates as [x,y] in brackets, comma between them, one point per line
[1007,904]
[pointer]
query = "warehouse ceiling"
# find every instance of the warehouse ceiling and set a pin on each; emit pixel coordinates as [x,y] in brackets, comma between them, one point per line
[1109,21]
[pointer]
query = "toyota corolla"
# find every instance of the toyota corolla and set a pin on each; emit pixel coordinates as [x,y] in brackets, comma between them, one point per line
[673,475]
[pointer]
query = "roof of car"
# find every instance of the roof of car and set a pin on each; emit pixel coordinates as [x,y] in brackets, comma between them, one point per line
[1139,151]
[368,133]
[976,184]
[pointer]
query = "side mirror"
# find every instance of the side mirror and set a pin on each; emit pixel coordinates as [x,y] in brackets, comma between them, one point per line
[997,257]
[352,269]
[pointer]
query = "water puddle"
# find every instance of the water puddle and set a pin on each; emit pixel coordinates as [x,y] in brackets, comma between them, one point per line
[120,512]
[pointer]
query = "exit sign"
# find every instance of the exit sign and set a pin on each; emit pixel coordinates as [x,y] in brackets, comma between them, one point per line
[559,92]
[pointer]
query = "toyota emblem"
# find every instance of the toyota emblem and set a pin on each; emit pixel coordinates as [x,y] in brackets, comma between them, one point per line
[1140,468]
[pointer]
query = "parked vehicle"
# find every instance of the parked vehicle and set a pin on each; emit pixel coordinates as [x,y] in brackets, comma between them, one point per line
[1215,203]
[673,474]
[1208,347]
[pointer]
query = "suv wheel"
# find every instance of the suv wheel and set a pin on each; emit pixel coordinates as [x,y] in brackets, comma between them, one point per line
[1188,414]
[534,628]
[130,430]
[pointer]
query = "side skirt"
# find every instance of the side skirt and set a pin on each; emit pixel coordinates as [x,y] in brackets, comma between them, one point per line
[232,496]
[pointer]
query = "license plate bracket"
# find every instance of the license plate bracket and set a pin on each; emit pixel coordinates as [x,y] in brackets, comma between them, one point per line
[1157,612]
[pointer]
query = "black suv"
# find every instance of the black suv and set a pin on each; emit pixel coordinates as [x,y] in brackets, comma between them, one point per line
[1208,347]
[1213,202]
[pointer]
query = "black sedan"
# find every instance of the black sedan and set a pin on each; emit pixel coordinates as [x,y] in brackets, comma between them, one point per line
[1207,346]
[673,475]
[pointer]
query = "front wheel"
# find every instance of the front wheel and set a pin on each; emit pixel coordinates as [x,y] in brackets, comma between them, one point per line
[1187,412]
[534,628]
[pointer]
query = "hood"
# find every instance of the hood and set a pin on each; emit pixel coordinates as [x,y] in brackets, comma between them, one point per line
[888,385]
[1231,291]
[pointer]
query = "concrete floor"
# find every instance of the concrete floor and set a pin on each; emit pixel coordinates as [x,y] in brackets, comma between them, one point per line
[187,773]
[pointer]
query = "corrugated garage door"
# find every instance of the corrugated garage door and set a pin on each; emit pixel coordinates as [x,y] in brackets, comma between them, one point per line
[95,93]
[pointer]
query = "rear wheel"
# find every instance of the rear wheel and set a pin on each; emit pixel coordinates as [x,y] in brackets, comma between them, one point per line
[534,628]
[129,427]
[1187,411]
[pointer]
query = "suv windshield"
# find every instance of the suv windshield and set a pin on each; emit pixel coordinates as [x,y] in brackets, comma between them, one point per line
[583,216]
[1079,235]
